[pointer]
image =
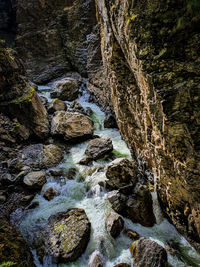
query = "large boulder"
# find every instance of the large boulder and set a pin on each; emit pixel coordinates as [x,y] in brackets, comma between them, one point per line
[137,206]
[148,253]
[40,156]
[114,224]
[121,174]
[13,248]
[35,180]
[71,125]
[99,147]
[66,236]
[66,89]
[18,99]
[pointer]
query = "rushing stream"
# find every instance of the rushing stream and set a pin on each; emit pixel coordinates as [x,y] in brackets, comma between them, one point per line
[84,192]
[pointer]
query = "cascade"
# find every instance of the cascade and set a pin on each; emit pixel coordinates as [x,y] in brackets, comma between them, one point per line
[74,193]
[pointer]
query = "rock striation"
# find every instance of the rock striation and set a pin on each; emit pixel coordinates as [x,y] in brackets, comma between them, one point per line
[152,62]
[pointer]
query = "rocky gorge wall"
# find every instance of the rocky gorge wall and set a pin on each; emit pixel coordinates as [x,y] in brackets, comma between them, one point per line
[150,67]
[54,40]
[150,52]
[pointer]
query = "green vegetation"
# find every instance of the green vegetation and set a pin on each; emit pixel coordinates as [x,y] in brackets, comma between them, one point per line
[8,263]
[131,18]
[191,14]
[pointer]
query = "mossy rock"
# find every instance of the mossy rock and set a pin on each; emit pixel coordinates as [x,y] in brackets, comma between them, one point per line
[13,249]
[66,236]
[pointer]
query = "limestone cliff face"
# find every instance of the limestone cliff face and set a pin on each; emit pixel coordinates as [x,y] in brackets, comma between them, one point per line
[150,51]
[18,100]
[53,37]
[56,37]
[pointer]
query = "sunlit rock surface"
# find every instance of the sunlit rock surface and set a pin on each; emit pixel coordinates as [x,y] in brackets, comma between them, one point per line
[150,51]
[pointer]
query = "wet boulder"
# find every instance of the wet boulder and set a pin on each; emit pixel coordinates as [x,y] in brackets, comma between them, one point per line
[56,105]
[66,89]
[139,206]
[51,155]
[114,224]
[72,126]
[118,202]
[148,253]
[99,147]
[40,156]
[110,122]
[35,180]
[49,194]
[66,236]
[121,174]
[96,259]
[13,248]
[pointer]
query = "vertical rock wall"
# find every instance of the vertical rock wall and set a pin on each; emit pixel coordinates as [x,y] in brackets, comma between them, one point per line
[150,52]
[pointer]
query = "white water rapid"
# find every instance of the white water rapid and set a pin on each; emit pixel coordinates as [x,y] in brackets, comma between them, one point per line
[88,195]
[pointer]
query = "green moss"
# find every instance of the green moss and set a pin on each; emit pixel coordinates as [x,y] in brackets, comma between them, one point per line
[8,263]
[112,7]
[131,18]
[25,98]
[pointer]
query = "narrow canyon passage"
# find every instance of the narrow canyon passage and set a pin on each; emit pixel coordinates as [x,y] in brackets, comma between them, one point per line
[85,191]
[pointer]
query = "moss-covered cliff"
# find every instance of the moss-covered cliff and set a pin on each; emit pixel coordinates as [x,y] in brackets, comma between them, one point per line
[150,51]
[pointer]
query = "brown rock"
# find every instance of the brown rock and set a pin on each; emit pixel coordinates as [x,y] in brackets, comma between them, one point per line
[49,194]
[57,105]
[35,180]
[18,99]
[72,126]
[13,248]
[148,253]
[99,147]
[40,156]
[66,89]
[121,175]
[122,265]
[96,260]
[114,224]
[66,236]
[131,234]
